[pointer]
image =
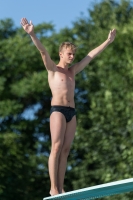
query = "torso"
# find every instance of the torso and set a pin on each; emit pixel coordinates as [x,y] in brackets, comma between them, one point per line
[62,85]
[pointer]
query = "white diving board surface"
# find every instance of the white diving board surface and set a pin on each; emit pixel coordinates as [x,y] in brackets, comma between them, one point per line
[95,192]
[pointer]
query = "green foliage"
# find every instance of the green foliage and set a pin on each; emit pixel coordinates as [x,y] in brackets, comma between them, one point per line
[103,147]
[18,168]
[24,131]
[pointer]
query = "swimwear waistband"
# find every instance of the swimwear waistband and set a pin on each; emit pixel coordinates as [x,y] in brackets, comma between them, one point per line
[59,106]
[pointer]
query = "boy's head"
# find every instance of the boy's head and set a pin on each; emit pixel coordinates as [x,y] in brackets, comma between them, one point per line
[67,52]
[66,45]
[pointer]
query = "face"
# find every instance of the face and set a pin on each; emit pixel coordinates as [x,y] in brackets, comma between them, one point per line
[68,55]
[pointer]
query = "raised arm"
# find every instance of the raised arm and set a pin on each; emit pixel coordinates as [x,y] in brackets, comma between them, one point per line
[92,54]
[29,28]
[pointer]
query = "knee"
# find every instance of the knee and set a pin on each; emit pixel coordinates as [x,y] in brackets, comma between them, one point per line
[56,148]
[65,151]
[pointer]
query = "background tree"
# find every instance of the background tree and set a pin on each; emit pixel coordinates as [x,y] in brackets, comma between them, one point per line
[103,147]
[24,101]
[103,143]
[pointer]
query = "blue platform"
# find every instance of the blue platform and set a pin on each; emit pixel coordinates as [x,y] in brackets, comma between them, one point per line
[94,192]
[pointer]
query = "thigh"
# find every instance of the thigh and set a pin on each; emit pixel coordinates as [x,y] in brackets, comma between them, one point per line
[70,133]
[57,127]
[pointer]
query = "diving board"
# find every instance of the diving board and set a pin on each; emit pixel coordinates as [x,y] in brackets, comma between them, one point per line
[94,192]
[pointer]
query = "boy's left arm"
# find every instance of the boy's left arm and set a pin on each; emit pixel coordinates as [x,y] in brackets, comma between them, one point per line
[92,54]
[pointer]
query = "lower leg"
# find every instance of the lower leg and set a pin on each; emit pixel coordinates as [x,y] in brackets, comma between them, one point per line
[61,172]
[53,168]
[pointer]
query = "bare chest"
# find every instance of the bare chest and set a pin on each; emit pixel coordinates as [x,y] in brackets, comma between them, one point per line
[66,78]
[63,79]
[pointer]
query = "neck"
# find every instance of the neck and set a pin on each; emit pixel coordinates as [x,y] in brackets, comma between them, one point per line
[63,65]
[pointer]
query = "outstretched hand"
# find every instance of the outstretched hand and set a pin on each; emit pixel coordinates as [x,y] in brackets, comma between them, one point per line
[112,35]
[28,27]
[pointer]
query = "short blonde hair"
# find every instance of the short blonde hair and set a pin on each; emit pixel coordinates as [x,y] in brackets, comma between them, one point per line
[67,45]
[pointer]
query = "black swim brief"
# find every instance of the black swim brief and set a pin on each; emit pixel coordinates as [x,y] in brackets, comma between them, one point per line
[68,112]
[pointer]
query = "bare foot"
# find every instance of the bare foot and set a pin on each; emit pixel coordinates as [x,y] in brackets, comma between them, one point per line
[63,191]
[53,192]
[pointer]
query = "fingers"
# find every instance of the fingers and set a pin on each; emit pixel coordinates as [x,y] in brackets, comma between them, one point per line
[31,22]
[112,32]
[111,35]
[24,21]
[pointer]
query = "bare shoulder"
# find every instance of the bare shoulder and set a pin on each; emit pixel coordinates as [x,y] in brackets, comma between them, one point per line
[48,62]
[55,69]
[73,68]
[79,66]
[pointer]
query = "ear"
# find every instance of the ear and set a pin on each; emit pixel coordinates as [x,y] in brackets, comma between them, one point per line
[60,54]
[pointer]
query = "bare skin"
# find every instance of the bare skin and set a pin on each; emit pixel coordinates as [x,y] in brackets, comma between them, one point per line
[61,78]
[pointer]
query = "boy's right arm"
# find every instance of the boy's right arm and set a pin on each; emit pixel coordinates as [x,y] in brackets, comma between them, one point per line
[29,28]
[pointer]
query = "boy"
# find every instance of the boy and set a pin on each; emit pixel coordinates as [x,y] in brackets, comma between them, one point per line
[61,80]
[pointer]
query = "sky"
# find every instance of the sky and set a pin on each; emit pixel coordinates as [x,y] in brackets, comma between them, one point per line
[59,12]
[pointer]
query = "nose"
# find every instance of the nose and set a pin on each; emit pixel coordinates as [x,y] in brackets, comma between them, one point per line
[72,56]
